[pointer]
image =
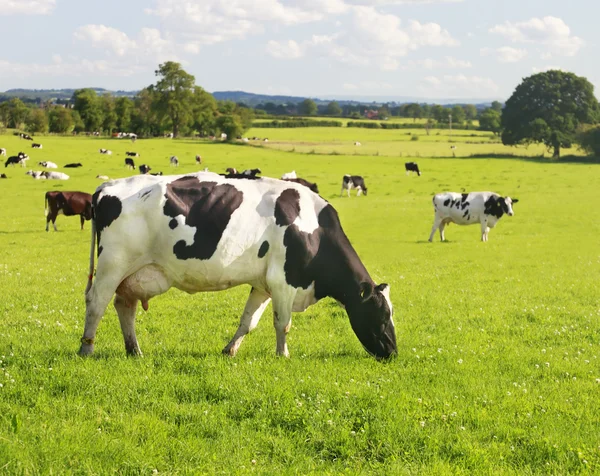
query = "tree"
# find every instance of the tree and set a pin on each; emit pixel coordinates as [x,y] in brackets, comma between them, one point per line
[17,113]
[60,120]
[549,108]
[413,110]
[470,112]
[307,108]
[109,123]
[231,125]
[144,118]
[589,139]
[37,121]
[123,109]
[78,124]
[497,106]
[87,104]
[490,120]
[174,92]
[333,109]
[458,115]
[204,111]
[440,113]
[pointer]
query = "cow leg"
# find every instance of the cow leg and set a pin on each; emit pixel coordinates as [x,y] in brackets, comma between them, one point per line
[255,306]
[358,192]
[48,220]
[282,318]
[436,223]
[342,192]
[442,226]
[126,311]
[484,230]
[82,220]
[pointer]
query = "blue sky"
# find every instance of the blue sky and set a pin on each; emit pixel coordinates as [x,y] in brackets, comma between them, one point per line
[320,48]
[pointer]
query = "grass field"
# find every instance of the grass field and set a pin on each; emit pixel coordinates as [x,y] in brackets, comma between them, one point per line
[498,369]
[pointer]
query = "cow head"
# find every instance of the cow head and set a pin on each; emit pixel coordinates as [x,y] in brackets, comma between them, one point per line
[498,206]
[507,203]
[371,320]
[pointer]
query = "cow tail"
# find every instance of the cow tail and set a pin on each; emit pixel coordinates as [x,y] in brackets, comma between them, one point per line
[92,250]
[46,205]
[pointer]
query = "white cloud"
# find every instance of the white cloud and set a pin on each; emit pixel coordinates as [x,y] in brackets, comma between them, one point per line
[448,62]
[59,68]
[26,7]
[545,68]
[399,2]
[111,39]
[459,86]
[551,32]
[285,49]
[505,54]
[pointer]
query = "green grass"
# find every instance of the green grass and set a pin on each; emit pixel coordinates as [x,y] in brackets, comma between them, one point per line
[498,369]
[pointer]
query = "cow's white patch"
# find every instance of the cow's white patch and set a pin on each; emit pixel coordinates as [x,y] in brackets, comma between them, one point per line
[304,298]
[386,295]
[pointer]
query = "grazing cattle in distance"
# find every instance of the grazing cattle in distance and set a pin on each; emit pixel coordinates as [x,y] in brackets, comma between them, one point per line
[3,152]
[353,181]
[25,136]
[129,163]
[266,139]
[48,165]
[289,175]
[198,159]
[68,204]
[169,135]
[55,175]
[306,183]
[251,172]
[105,151]
[144,169]
[173,161]
[73,166]
[132,154]
[157,174]
[357,143]
[205,232]
[16,159]
[36,146]
[485,208]
[102,177]
[412,167]
[231,170]
[36,174]
[3,176]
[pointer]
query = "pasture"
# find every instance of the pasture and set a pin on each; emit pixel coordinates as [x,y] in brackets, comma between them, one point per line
[498,370]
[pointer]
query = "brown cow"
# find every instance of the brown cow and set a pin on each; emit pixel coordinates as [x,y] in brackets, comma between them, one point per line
[69,204]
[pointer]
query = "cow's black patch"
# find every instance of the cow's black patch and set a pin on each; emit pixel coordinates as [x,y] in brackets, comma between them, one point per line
[464,197]
[466,213]
[173,224]
[100,248]
[446,202]
[241,176]
[287,207]
[464,205]
[263,249]
[105,211]
[493,206]
[207,207]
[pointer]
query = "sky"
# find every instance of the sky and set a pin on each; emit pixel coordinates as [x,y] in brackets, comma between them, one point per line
[476,49]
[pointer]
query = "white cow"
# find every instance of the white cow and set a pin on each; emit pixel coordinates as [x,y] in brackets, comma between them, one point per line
[3,152]
[36,174]
[56,175]
[174,161]
[205,232]
[289,175]
[485,208]
[357,144]
[48,165]
[105,151]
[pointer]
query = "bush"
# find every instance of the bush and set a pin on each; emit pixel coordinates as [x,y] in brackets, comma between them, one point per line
[414,138]
[589,140]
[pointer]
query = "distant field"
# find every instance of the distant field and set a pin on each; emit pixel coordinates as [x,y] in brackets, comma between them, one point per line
[498,369]
[345,120]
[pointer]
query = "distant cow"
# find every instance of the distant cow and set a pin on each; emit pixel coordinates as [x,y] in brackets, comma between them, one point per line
[251,172]
[20,158]
[102,177]
[289,175]
[306,183]
[157,174]
[3,152]
[132,154]
[36,174]
[231,170]
[55,175]
[174,161]
[357,143]
[105,152]
[69,204]
[144,169]
[353,181]
[198,159]
[412,167]
[48,165]
[36,146]
[485,208]
[73,166]
[3,176]
[129,163]
[25,136]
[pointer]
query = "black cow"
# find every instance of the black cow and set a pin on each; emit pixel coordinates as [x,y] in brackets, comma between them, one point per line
[251,172]
[20,158]
[198,159]
[353,181]
[36,146]
[3,176]
[144,169]
[132,154]
[129,163]
[306,183]
[412,167]
[69,204]
[73,166]
[157,174]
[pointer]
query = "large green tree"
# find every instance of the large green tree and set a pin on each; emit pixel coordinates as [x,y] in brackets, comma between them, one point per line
[60,119]
[549,108]
[490,120]
[17,113]
[470,111]
[109,113]
[414,110]
[333,109]
[37,121]
[204,111]
[174,94]
[458,115]
[307,108]
[123,109]
[87,104]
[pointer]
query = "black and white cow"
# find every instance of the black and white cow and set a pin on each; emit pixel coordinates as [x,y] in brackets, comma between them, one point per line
[412,167]
[198,159]
[129,163]
[485,208]
[132,154]
[251,172]
[73,166]
[48,165]
[231,170]
[144,169]
[156,174]
[289,175]
[205,232]
[306,183]
[21,158]
[3,152]
[173,161]
[36,146]
[105,151]
[353,181]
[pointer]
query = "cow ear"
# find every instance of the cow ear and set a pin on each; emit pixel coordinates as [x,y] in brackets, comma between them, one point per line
[366,291]
[515,200]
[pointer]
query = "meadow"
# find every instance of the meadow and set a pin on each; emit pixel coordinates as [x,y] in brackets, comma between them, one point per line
[498,368]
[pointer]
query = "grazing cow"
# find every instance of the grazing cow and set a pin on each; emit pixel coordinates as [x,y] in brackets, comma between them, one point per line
[266,139]
[132,154]
[289,175]
[412,167]
[205,232]
[174,161]
[353,181]
[251,172]
[169,135]
[3,176]
[306,183]
[20,158]
[3,152]
[36,146]
[129,163]
[198,159]
[55,175]
[69,204]
[25,136]
[144,169]
[485,208]
[231,170]
[48,165]
[357,143]
[36,174]
[105,151]
[102,177]
[157,174]
[73,166]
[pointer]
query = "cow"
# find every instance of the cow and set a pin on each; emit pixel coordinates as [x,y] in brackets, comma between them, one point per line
[412,167]
[157,174]
[3,176]
[289,175]
[173,161]
[102,177]
[36,174]
[69,204]
[353,181]
[3,152]
[306,183]
[205,232]
[144,169]
[251,172]
[73,166]
[132,154]
[266,139]
[357,144]
[198,159]
[20,158]
[36,146]
[105,151]
[48,165]
[55,175]
[25,136]
[231,170]
[485,208]
[129,163]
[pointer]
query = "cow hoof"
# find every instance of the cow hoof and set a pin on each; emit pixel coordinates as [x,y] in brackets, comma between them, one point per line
[85,350]
[229,351]
[134,352]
